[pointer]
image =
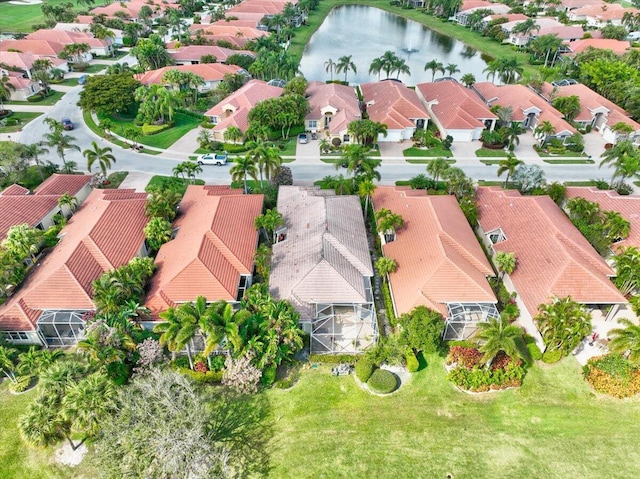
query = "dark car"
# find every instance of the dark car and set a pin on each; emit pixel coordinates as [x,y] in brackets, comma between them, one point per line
[67,124]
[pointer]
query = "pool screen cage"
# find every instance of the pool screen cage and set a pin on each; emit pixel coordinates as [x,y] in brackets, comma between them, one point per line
[343,328]
[462,318]
[59,328]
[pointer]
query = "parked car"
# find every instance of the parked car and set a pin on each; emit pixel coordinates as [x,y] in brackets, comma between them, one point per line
[303,138]
[82,80]
[212,159]
[67,124]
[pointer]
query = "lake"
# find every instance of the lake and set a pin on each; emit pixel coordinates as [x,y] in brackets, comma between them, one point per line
[367,32]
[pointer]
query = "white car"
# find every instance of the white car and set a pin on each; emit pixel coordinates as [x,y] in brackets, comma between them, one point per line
[212,159]
[303,138]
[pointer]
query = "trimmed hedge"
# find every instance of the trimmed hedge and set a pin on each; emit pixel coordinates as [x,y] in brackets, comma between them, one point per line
[21,384]
[364,369]
[551,357]
[334,358]
[412,361]
[534,350]
[149,130]
[383,381]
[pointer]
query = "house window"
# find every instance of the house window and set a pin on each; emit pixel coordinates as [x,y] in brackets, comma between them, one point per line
[16,336]
[174,233]
[214,119]
[242,287]
[313,124]
[496,236]
[345,138]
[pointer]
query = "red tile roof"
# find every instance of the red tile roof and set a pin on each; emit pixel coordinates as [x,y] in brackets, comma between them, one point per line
[438,256]
[67,37]
[195,52]
[243,33]
[14,190]
[613,11]
[393,104]
[627,206]
[214,246]
[208,71]
[553,258]
[43,48]
[456,107]
[619,47]
[58,184]
[102,235]
[341,98]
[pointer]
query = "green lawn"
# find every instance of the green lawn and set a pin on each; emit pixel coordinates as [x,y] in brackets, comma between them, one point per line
[569,162]
[183,124]
[69,82]
[88,120]
[94,68]
[490,162]
[553,427]
[580,183]
[565,154]
[488,153]
[19,18]
[426,161]
[115,180]
[24,117]
[52,99]
[430,153]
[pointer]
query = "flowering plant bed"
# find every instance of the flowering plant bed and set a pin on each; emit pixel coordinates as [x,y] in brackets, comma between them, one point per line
[469,372]
[612,374]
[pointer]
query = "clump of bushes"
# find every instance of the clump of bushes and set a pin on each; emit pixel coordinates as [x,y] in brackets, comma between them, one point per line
[334,358]
[532,347]
[155,129]
[472,374]
[552,357]
[612,374]
[364,369]
[412,361]
[382,381]
[21,384]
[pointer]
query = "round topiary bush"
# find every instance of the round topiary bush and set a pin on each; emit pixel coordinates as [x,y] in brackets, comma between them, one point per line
[551,357]
[383,382]
[364,369]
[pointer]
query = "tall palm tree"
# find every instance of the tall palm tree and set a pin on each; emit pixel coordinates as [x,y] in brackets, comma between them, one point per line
[616,157]
[512,134]
[176,332]
[493,68]
[68,201]
[544,130]
[452,69]
[366,188]
[563,323]
[627,265]
[102,155]
[436,168]
[386,265]
[5,91]
[212,326]
[344,65]
[505,262]
[61,142]
[6,363]
[468,79]
[376,67]
[435,66]
[269,222]
[508,165]
[500,335]
[272,162]
[626,341]
[245,166]
[329,67]
[33,151]
[400,67]
[258,153]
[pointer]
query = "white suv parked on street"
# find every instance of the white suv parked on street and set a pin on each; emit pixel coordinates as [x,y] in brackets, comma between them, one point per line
[212,159]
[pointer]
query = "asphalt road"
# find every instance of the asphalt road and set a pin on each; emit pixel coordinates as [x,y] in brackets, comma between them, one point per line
[303,172]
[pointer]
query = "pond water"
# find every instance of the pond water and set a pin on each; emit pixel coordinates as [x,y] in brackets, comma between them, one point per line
[367,32]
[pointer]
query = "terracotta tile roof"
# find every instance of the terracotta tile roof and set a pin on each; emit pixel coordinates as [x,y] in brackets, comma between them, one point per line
[439,259]
[58,184]
[20,83]
[103,234]
[392,103]
[208,71]
[43,48]
[243,33]
[195,52]
[619,47]
[542,22]
[456,107]
[133,8]
[339,98]
[564,32]
[325,256]
[553,258]
[627,206]
[214,246]
[234,109]
[30,209]
[469,4]
[572,4]
[520,99]
[67,37]
[14,190]
[613,11]
[509,16]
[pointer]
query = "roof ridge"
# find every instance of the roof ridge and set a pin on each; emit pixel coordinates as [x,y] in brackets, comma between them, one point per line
[574,249]
[345,252]
[224,250]
[95,252]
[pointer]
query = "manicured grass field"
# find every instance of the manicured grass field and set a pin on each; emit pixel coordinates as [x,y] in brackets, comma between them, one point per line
[19,18]
[88,120]
[487,153]
[430,153]
[24,117]
[52,99]
[94,68]
[553,427]
[570,162]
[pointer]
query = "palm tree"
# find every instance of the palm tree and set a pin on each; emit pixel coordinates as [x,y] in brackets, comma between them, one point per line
[508,165]
[563,323]
[435,66]
[616,227]
[233,134]
[388,223]
[366,188]
[627,265]
[269,222]
[511,134]
[400,67]
[6,363]
[190,315]
[5,91]
[102,155]
[492,69]
[212,326]
[176,332]
[61,142]
[626,341]
[452,69]
[621,152]
[329,67]
[42,425]
[386,265]
[468,79]
[544,130]
[245,166]
[32,151]
[376,67]
[505,262]
[500,335]
[68,201]
[436,168]
[344,65]
[258,153]
[272,162]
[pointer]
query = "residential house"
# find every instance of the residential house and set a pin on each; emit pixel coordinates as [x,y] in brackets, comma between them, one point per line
[440,263]
[116,36]
[469,7]
[212,251]
[321,263]
[211,73]
[22,60]
[192,54]
[392,103]
[50,307]
[23,87]
[332,108]
[598,15]
[627,205]
[132,8]
[595,111]
[100,47]
[553,259]
[18,206]
[528,108]
[545,26]
[231,33]
[570,5]
[234,109]
[619,47]
[457,110]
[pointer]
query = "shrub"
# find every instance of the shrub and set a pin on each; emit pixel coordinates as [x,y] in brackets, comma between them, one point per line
[268,376]
[511,311]
[285,383]
[364,369]
[483,379]
[613,375]
[412,361]
[383,381]
[551,357]
[154,129]
[35,98]
[207,124]
[232,148]
[209,377]
[463,343]
[465,357]
[334,358]
[532,347]
[21,384]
